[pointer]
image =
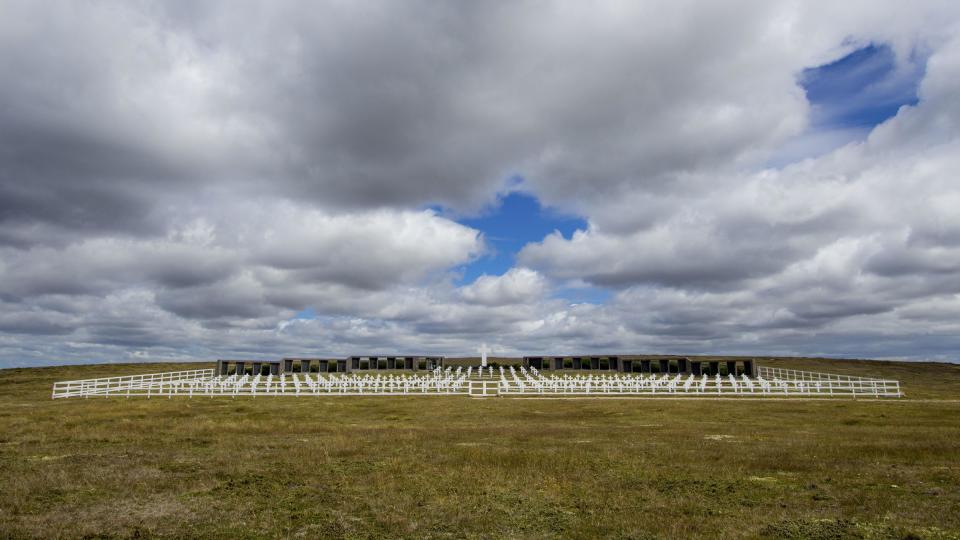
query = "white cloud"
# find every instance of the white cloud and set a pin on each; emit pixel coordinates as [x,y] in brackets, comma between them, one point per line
[517,286]
[841,241]
[187,193]
[249,262]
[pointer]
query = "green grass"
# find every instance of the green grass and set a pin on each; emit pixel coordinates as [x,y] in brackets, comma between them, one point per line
[456,467]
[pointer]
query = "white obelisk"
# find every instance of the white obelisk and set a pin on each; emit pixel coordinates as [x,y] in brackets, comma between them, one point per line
[483,355]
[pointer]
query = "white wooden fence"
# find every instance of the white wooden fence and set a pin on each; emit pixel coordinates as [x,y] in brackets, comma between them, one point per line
[776,383]
[770,382]
[205,383]
[130,385]
[834,383]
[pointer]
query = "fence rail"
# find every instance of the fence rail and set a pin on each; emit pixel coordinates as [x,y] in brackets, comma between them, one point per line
[797,375]
[205,383]
[770,382]
[130,384]
[842,383]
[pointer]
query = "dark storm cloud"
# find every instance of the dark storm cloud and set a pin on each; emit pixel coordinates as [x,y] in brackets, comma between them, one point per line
[78,150]
[34,324]
[904,262]
[101,266]
[134,334]
[383,108]
[364,105]
[240,298]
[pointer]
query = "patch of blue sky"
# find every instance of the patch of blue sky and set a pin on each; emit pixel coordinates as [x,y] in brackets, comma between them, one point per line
[850,96]
[516,219]
[862,89]
[585,294]
[307,314]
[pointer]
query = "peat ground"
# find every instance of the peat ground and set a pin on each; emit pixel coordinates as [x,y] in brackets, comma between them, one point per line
[454,467]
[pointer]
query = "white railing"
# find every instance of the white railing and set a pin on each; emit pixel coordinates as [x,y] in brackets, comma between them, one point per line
[831,383]
[770,382]
[204,383]
[145,384]
[797,375]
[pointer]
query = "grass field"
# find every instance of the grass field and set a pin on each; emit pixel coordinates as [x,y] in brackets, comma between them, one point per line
[453,467]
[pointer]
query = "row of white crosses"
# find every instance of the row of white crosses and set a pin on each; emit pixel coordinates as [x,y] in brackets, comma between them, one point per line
[480,371]
[530,380]
[448,381]
[772,381]
[438,381]
[203,382]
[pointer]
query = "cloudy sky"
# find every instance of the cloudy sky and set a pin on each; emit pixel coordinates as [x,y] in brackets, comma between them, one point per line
[184,180]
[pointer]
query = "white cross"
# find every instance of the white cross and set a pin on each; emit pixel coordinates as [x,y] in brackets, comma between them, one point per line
[483,355]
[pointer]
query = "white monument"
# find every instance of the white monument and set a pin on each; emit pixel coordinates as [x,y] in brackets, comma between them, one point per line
[483,355]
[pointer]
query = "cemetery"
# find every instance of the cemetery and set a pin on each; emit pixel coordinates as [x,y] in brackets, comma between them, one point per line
[608,376]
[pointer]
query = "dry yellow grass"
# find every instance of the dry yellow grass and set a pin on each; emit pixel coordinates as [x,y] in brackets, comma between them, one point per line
[455,467]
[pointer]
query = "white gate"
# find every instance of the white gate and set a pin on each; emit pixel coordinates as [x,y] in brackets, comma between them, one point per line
[483,388]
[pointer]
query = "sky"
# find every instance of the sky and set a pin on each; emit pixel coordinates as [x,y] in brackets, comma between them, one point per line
[201,180]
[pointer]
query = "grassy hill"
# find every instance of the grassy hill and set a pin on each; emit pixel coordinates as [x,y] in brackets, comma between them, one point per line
[455,467]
